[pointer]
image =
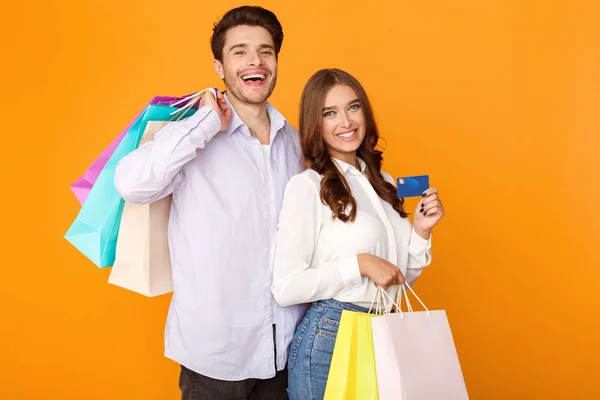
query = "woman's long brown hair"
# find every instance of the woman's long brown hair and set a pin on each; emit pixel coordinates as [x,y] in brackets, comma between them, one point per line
[335,191]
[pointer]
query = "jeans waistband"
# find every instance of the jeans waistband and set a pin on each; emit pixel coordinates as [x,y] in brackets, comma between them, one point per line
[331,303]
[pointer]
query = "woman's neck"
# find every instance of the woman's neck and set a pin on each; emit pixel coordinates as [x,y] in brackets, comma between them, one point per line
[348,158]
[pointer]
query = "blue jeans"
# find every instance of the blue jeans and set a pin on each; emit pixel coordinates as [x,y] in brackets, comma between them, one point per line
[312,348]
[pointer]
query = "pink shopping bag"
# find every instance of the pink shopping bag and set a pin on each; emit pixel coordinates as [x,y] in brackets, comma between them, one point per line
[82,186]
[415,355]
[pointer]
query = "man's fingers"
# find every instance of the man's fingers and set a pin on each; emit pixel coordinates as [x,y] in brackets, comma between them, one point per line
[208,100]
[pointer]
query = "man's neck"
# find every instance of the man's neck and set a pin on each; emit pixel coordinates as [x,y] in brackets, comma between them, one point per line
[255,117]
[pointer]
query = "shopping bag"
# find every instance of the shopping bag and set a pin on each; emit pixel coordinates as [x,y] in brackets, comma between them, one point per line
[95,229]
[82,186]
[343,360]
[388,374]
[416,358]
[365,382]
[142,261]
[352,373]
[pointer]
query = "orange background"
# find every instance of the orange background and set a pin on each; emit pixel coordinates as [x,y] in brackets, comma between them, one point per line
[497,100]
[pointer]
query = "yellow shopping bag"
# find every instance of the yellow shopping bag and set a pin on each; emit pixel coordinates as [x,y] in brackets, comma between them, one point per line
[342,358]
[352,374]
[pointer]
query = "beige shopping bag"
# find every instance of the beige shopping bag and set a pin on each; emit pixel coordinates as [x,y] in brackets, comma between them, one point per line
[415,355]
[142,261]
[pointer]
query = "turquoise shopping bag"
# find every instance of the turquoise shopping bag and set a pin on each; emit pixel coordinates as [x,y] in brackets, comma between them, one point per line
[95,230]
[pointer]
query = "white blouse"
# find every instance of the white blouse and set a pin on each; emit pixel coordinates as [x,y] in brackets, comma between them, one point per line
[316,257]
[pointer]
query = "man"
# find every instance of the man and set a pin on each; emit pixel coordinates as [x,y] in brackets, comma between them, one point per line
[227,167]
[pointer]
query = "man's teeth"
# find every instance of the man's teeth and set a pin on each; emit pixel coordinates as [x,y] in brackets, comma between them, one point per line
[254,76]
[346,135]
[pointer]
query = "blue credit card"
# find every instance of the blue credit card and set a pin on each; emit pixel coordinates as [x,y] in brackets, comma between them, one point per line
[412,186]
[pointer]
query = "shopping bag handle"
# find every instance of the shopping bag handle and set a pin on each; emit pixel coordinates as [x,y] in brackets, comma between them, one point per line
[191,100]
[382,300]
[382,305]
[379,302]
[402,288]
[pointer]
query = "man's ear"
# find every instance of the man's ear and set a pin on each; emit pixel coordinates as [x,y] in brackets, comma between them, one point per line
[219,69]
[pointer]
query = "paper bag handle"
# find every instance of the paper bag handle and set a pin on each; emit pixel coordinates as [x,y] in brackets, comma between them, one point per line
[381,303]
[191,100]
[402,288]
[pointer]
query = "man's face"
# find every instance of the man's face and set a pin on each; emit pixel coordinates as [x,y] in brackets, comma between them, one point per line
[249,65]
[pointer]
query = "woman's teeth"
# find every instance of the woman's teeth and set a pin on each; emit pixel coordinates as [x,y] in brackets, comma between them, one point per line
[346,135]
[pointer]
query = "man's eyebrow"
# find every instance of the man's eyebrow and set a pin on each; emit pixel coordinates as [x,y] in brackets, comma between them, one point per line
[245,45]
[239,45]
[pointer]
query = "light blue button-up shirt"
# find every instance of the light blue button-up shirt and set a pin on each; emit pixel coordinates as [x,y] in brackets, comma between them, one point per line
[220,321]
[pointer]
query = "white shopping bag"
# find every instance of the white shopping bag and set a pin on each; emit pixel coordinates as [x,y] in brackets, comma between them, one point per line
[142,261]
[415,355]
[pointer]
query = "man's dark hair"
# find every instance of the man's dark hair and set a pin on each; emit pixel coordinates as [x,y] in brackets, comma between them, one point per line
[245,15]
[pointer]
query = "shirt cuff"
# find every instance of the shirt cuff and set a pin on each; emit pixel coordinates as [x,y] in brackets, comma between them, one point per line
[418,245]
[202,126]
[350,271]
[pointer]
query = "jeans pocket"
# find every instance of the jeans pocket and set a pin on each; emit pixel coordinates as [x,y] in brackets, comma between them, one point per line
[329,327]
[321,354]
[324,342]
[296,341]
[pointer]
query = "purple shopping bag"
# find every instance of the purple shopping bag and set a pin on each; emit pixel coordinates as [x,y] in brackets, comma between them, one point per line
[82,186]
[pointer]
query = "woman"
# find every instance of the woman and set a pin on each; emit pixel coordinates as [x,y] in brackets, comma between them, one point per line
[342,229]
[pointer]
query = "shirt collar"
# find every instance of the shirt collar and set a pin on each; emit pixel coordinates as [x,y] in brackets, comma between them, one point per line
[278,121]
[345,167]
[236,121]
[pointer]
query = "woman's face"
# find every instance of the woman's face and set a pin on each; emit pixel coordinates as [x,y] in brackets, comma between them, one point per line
[342,123]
